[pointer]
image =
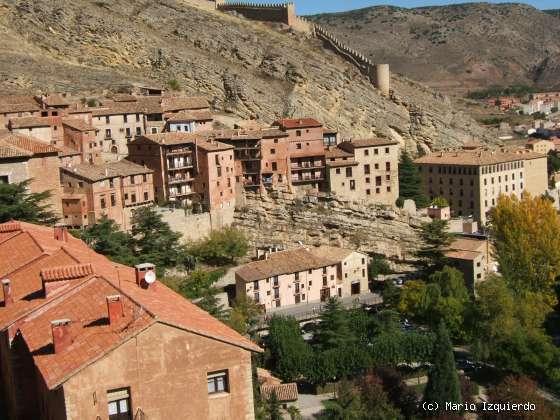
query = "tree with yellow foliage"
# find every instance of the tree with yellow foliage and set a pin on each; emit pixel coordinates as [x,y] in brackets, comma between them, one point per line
[526,236]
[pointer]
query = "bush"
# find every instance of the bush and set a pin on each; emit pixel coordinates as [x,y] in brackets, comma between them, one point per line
[221,247]
[174,84]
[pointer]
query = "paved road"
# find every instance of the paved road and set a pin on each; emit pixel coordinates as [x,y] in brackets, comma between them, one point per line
[309,405]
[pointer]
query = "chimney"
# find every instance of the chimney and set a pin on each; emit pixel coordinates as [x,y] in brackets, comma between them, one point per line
[145,275]
[61,334]
[6,287]
[115,308]
[61,233]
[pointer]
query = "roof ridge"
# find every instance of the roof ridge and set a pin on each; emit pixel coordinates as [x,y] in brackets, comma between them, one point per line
[66,272]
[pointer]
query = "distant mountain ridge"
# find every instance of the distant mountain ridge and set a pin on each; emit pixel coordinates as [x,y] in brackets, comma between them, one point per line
[457,47]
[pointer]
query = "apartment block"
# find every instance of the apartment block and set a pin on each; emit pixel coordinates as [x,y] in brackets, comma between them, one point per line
[189,169]
[472,179]
[25,158]
[84,337]
[112,189]
[302,275]
[306,152]
[364,170]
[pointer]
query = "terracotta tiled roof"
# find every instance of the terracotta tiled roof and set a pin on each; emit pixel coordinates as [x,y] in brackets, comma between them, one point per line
[179,103]
[18,145]
[466,248]
[33,249]
[17,99]
[10,226]
[173,138]
[213,146]
[336,152]
[475,158]
[98,172]
[283,262]
[30,122]
[66,272]
[332,253]
[288,124]
[92,335]
[117,108]
[463,255]
[357,143]
[55,100]
[78,124]
[24,107]
[190,116]
[284,392]
[124,97]
[64,151]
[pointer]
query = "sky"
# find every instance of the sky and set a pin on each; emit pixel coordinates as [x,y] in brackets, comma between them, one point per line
[307,7]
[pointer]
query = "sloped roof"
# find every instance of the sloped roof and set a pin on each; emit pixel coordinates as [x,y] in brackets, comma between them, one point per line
[98,172]
[78,124]
[18,145]
[183,116]
[6,108]
[333,253]
[283,262]
[30,122]
[288,124]
[284,392]
[26,249]
[475,158]
[372,142]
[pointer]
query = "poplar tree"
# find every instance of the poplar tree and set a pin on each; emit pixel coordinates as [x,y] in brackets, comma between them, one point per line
[443,382]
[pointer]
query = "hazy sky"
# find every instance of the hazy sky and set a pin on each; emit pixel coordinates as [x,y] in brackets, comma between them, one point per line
[305,7]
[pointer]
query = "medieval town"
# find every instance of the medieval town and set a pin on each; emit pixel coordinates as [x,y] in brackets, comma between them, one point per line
[172,255]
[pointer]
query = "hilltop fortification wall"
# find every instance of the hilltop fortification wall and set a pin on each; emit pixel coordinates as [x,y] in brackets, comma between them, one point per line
[279,12]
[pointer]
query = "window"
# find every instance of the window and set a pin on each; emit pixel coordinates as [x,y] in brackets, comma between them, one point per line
[138,131]
[298,146]
[274,166]
[125,118]
[375,151]
[337,171]
[366,152]
[118,402]
[146,196]
[368,192]
[107,119]
[137,117]
[113,200]
[377,180]
[348,172]
[352,184]
[387,166]
[132,179]
[103,203]
[154,130]
[128,132]
[367,180]
[366,169]
[298,134]
[133,198]
[386,150]
[272,151]
[218,382]
[4,179]
[108,133]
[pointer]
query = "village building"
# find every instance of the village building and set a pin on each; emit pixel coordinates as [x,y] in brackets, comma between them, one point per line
[189,169]
[302,275]
[16,106]
[80,135]
[84,337]
[24,158]
[190,121]
[46,129]
[364,170]
[473,257]
[471,180]
[306,152]
[112,189]
[541,146]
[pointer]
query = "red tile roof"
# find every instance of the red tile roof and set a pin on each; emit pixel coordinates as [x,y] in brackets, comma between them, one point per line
[78,124]
[18,145]
[183,116]
[33,251]
[288,124]
[30,122]
[284,392]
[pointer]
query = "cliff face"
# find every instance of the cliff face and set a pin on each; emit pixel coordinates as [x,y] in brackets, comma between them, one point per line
[247,68]
[279,219]
[457,47]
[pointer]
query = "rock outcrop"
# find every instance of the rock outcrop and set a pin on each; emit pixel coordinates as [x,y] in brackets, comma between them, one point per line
[280,219]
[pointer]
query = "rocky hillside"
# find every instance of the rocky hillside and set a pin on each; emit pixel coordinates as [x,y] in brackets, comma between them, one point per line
[458,47]
[248,68]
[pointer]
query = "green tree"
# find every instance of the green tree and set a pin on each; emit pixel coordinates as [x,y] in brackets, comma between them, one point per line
[294,413]
[375,401]
[221,246]
[443,382]
[436,239]
[106,238]
[244,315]
[346,406]
[410,182]
[154,241]
[18,203]
[199,288]
[333,331]
[274,412]
[289,353]
[440,202]
[378,265]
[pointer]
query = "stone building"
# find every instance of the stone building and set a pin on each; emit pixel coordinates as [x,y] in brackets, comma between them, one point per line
[80,135]
[364,170]
[542,146]
[83,337]
[111,189]
[45,129]
[189,169]
[15,106]
[302,275]
[472,179]
[25,158]
[473,257]
[306,152]
[190,121]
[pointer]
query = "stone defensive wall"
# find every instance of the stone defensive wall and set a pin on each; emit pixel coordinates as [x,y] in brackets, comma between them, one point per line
[278,12]
[378,74]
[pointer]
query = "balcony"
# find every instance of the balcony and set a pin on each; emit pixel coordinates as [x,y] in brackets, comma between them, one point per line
[179,179]
[175,166]
[307,165]
[178,152]
[182,193]
[307,178]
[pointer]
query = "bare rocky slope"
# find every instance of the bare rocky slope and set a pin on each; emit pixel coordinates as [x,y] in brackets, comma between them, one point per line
[458,47]
[250,69]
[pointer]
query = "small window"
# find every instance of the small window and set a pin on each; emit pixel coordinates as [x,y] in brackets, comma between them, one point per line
[138,131]
[298,133]
[113,200]
[274,166]
[145,178]
[272,151]
[366,152]
[125,118]
[218,382]
[118,401]
[103,203]
[133,198]
[146,196]
[337,171]
[298,145]
[4,179]
[107,119]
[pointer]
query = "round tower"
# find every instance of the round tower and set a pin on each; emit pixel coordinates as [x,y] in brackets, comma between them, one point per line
[383,78]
